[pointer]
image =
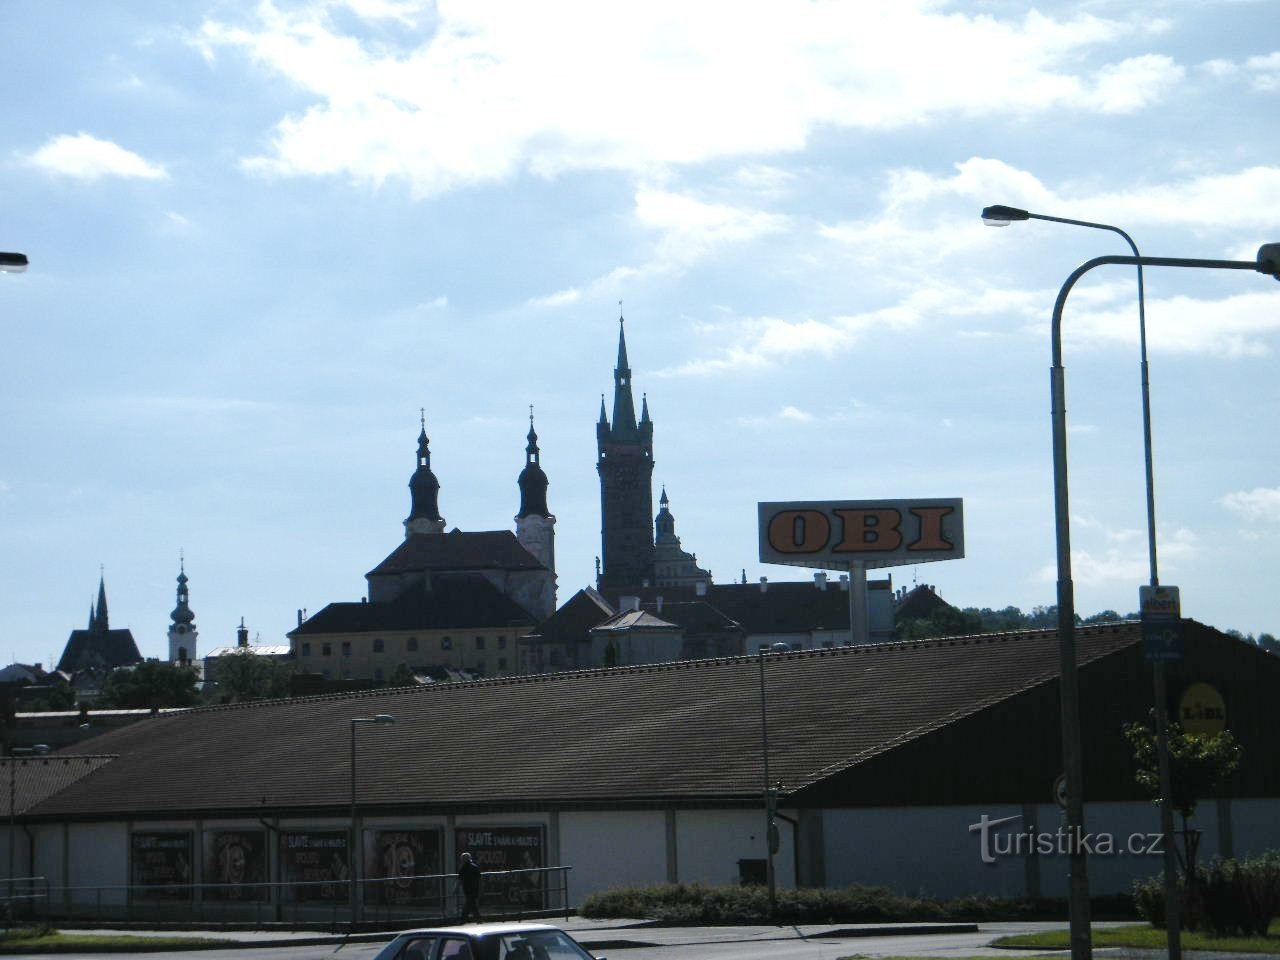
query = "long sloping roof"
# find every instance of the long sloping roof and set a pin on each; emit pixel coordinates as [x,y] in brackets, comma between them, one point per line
[681,732]
[38,777]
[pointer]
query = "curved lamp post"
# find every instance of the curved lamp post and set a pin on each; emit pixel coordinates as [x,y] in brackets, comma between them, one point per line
[13,262]
[1001,216]
[356,849]
[1267,262]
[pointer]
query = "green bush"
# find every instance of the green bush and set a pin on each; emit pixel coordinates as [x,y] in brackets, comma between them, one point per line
[1230,897]
[692,903]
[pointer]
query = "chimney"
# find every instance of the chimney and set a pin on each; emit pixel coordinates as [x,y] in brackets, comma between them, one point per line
[299,616]
[764,584]
[700,588]
[820,580]
[844,582]
[242,634]
[659,603]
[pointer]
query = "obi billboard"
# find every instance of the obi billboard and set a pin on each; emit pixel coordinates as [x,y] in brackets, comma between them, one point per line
[830,534]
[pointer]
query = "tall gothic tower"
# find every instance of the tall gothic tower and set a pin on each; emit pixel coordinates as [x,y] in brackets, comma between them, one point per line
[535,523]
[182,631]
[625,465]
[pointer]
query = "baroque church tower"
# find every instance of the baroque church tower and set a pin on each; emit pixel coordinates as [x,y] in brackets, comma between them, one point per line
[535,524]
[625,465]
[182,631]
[424,492]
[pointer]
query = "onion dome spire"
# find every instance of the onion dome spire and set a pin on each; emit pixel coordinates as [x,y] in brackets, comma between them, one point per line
[424,490]
[182,613]
[532,481]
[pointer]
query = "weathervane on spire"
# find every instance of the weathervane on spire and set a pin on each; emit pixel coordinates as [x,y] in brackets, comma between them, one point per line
[422,417]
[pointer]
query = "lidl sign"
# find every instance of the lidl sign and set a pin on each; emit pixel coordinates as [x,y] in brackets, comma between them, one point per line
[831,534]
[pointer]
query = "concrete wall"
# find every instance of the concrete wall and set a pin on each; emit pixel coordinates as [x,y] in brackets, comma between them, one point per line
[613,849]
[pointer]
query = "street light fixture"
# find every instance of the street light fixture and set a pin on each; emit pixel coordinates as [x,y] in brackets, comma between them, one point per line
[1267,262]
[13,262]
[1001,216]
[356,850]
[770,790]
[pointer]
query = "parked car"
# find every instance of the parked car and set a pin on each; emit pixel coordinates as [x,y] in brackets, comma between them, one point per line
[485,941]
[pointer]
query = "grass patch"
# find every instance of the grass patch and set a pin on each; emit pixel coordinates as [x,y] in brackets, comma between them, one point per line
[1146,938]
[47,940]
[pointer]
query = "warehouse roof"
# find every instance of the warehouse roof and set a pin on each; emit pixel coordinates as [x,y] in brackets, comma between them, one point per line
[679,732]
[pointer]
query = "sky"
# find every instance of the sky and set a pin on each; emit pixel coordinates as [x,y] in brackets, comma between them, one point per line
[263,237]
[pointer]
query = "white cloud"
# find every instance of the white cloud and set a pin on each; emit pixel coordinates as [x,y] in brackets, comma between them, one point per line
[490,91]
[1265,71]
[1238,326]
[1259,504]
[85,157]
[786,415]
[1124,561]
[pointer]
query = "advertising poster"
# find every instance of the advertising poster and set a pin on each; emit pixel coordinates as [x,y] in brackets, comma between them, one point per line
[507,848]
[159,861]
[235,860]
[316,861]
[401,855]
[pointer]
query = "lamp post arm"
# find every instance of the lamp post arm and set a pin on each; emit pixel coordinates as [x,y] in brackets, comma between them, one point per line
[1088,265]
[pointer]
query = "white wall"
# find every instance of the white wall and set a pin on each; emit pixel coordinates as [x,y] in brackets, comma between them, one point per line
[710,843]
[99,857]
[918,850]
[612,849]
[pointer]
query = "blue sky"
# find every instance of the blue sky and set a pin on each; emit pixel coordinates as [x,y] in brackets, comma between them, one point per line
[263,236]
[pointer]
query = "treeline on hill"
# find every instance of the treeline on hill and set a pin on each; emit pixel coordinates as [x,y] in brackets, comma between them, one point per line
[952,622]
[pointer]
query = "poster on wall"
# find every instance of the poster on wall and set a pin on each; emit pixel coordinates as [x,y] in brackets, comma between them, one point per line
[315,863]
[160,865]
[507,848]
[402,857]
[235,865]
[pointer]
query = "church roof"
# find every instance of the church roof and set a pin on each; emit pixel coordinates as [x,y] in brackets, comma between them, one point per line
[454,602]
[99,648]
[456,550]
[576,616]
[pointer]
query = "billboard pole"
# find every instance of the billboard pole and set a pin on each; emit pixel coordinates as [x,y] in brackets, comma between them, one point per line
[858,615]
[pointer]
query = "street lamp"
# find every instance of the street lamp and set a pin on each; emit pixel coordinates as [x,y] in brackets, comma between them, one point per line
[1001,216]
[770,791]
[13,262]
[1268,262]
[356,851]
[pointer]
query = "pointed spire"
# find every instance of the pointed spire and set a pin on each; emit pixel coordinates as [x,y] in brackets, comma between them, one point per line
[101,620]
[644,408]
[624,409]
[603,416]
[662,500]
[532,449]
[91,615]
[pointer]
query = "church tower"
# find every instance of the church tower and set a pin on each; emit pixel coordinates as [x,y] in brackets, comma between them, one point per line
[625,465]
[182,631]
[674,566]
[424,492]
[535,524]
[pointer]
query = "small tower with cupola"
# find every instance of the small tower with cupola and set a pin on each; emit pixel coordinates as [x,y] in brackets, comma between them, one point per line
[424,492]
[535,523]
[182,630]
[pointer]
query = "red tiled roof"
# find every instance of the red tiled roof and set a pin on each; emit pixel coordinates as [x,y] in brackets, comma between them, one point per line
[678,732]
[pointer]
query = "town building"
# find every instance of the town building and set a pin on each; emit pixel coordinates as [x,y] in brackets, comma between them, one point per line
[451,600]
[213,661]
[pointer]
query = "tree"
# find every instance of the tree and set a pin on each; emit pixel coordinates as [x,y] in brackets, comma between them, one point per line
[153,683]
[1199,764]
[245,676]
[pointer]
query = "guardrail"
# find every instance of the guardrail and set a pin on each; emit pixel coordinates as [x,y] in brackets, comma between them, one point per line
[399,901]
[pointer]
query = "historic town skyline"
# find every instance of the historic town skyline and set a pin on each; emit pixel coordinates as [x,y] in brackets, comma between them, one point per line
[262,239]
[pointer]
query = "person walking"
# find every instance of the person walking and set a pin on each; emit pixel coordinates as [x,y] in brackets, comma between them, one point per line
[469,880]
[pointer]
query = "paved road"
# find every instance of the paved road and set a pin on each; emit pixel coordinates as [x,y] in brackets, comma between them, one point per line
[672,943]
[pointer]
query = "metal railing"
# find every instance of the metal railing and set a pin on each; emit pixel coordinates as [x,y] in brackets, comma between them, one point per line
[399,901]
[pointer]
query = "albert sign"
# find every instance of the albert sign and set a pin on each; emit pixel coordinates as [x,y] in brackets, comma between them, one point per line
[876,533]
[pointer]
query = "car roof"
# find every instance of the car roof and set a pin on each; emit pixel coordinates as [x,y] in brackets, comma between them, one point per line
[482,929]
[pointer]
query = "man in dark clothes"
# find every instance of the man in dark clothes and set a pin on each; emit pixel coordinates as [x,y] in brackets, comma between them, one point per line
[469,880]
